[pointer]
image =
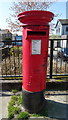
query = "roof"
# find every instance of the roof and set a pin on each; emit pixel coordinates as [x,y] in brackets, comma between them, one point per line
[4,31]
[62,21]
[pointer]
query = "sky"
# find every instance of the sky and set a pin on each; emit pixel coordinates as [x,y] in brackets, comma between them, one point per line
[58,7]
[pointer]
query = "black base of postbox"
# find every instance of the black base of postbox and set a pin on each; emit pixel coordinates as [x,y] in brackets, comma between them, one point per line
[33,102]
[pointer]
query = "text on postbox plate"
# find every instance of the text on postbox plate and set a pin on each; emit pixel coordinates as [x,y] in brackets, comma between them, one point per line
[36,47]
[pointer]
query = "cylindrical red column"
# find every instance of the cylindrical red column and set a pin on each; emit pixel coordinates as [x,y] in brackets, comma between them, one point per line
[35,52]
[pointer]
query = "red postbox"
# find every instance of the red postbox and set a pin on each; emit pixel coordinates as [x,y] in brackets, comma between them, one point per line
[35,52]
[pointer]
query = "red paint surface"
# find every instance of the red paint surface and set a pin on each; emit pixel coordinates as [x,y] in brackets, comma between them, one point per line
[35,66]
[35,17]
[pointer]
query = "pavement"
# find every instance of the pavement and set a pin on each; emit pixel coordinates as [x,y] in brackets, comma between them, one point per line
[56,104]
[4,100]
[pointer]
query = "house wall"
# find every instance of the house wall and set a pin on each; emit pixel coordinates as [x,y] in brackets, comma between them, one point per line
[67,9]
[61,29]
[64,30]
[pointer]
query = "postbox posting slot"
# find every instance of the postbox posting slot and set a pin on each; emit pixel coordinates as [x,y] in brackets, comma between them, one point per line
[41,33]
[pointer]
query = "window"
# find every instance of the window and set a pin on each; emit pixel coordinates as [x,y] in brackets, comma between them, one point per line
[66,29]
[63,32]
[59,30]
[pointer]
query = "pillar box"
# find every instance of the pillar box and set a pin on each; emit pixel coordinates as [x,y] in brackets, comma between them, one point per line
[35,52]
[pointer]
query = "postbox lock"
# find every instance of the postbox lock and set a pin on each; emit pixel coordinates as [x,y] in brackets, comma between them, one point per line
[44,65]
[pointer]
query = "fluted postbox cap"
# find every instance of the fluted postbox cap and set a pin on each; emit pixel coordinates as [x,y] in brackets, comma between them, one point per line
[35,17]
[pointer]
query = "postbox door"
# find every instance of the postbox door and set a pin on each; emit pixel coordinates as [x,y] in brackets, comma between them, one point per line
[35,63]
